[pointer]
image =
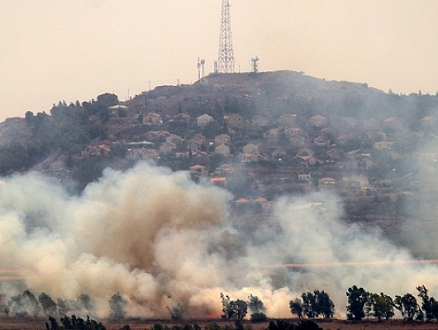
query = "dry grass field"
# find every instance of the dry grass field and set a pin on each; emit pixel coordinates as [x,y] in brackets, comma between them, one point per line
[8,323]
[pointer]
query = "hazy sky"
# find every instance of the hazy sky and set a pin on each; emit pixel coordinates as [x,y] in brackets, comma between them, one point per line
[52,50]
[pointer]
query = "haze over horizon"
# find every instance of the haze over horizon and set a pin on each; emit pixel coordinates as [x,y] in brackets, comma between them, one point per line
[76,50]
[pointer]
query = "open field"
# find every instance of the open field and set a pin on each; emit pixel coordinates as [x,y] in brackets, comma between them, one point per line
[9,323]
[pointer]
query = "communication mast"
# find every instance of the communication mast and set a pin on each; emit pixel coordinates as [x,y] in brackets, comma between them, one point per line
[202,66]
[255,65]
[226,54]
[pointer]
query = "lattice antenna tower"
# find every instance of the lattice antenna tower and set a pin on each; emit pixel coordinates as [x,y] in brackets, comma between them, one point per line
[226,54]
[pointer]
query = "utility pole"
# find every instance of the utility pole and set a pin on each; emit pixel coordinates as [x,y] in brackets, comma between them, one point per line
[226,54]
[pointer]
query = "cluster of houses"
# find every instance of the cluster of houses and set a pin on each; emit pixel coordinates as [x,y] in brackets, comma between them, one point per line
[286,154]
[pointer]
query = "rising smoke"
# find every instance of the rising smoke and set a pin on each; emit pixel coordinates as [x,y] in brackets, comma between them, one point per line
[163,243]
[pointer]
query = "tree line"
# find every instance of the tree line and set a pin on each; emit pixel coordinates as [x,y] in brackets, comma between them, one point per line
[27,304]
[68,128]
[365,304]
[360,304]
[310,305]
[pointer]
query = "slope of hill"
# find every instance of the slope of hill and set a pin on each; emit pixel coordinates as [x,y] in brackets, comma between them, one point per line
[14,130]
[286,131]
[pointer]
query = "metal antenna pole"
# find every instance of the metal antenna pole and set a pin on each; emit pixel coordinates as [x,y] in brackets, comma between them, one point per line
[255,65]
[202,66]
[226,54]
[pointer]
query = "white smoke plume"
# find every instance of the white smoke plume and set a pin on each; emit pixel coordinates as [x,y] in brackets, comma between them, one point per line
[165,243]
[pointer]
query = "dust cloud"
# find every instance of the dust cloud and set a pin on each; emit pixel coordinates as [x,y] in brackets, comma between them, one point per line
[167,244]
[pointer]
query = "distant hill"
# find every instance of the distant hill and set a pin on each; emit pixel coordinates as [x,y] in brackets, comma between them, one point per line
[268,93]
[76,141]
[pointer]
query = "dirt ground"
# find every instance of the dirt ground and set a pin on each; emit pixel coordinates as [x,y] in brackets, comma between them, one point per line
[9,323]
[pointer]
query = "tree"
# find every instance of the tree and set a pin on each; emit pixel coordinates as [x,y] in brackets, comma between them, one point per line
[368,307]
[280,324]
[231,105]
[176,312]
[323,304]
[429,305]
[49,306]
[76,323]
[227,309]
[85,303]
[108,99]
[233,309]
[122,113]
[104,115]
[240,308]
[296,307]
[30,301]
[381,306]
[286,325]
[23,304]
[389,307]
[14,157]
[315,304]
[212,129]
[53,324]
[307,325]
[117,304]
[257,309]
[29,117]
[309,303]
[408,306]
[357,297]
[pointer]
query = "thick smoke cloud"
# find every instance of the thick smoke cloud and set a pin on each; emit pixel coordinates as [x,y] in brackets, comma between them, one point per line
[420,234]
[166,244]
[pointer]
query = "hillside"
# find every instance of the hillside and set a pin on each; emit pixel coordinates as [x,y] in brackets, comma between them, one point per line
[240,185]
[258,135]
[14,130]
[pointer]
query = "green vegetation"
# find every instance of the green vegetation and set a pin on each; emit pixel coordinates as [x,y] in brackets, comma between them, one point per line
[408,307]
[429,305]
[313,305]
[356,118]
[380,306]
[48,304]
[361,303]
[118,306]
[68,129]
[257,309]
[233,309]
[286,325]
[23,304]
[357,298]
[74,323]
